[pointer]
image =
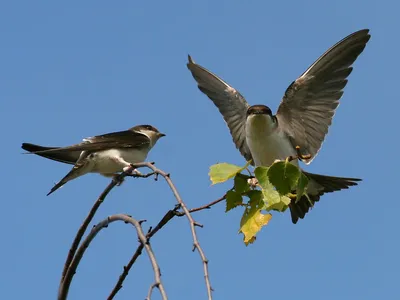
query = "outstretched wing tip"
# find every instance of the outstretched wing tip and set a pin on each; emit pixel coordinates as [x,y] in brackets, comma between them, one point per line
[309,103]
[230,103]
[364,32]
[190,62]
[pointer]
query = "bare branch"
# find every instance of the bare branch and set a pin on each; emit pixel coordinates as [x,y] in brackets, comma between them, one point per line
[208,206]
[116,180]
[196,244]
[69,268]
[141,175]
[167,217]
[125,272]
[152,287]
[145,241]
[64,287]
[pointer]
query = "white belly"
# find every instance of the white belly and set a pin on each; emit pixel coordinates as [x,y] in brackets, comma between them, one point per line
[266,143]
[105,164]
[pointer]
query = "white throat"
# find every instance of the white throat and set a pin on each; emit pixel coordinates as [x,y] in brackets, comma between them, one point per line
[266,141]
[153,136]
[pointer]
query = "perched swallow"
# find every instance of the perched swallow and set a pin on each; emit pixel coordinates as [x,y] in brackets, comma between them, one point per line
[105,154]
[302,119]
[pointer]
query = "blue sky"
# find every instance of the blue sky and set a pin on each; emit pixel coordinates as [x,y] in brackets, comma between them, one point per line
[77,69]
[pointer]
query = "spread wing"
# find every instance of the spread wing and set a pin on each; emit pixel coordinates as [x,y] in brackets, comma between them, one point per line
[309,103]
[121,139]
[229,101]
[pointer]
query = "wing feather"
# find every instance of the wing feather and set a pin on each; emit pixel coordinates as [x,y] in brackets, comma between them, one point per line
[121,139]
[231,104]
[309,103]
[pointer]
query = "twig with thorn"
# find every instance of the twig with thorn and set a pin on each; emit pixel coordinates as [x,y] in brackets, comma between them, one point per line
[116,180]
[64,287]
[193,224]
[167,217]
[152,231]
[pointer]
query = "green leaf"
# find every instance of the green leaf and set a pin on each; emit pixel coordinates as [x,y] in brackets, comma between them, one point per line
[224,171]
[253,220]
[261,174]
[280,205]
[256,199]
[284,176]
[233,199]
[301,186]
[240,183]
[273,200]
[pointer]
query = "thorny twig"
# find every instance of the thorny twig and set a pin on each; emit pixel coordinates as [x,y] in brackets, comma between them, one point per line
[167,217]
[68,274]
[193,224]
[64,287]
[116,180]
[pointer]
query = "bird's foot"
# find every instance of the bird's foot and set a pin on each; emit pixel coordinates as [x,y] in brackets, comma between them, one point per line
[131,171]
[298,155]
[302,156]
[135,173]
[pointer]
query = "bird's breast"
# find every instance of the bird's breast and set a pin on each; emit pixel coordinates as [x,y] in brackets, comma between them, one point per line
[267,144]
[105,162]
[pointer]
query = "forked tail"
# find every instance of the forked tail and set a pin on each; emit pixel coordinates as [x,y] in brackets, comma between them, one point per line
[328,183]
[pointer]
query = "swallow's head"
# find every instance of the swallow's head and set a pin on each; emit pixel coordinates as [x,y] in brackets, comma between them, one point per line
[259,110]
[260,116]
[153,133]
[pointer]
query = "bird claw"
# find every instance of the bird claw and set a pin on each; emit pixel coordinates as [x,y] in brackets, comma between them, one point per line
[136,172]
[299,155]
[302,156]
[131,172]
[126,169]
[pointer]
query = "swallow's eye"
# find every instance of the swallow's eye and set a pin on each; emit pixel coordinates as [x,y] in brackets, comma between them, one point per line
[149,127]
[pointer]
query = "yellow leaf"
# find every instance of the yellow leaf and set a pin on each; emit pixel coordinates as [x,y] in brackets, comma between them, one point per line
[251,241]
[252,222]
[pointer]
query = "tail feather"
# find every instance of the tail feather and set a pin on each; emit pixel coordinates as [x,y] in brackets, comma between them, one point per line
[299,209]
[74,173]
[329,184]
[332,184]
[79,169]
[57,186]
[65,157]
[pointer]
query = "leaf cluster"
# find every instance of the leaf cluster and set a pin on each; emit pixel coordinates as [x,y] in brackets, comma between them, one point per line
[270,189]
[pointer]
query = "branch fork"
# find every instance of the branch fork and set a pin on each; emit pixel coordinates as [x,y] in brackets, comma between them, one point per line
[77,248]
